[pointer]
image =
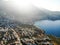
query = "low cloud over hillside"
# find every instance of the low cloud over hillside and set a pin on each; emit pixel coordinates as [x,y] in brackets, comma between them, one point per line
[27,16]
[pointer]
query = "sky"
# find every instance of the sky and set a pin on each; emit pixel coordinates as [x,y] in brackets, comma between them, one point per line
[53,5]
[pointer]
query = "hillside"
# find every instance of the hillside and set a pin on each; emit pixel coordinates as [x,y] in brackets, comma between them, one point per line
[29,17]
[55,39]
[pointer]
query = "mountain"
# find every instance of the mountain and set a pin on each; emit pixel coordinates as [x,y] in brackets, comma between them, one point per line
[29,16]
[6,22]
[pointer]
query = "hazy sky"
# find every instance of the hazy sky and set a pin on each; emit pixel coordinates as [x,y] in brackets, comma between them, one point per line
[53,5]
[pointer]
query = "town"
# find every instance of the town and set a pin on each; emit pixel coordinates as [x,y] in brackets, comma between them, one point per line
[23,36]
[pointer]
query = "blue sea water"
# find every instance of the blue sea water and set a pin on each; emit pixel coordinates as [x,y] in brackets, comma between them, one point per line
[50,27]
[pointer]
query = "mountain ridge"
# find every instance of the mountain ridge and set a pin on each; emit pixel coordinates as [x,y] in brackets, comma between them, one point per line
[30,17]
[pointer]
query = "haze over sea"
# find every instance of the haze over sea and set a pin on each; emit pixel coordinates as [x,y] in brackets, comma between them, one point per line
[50,27]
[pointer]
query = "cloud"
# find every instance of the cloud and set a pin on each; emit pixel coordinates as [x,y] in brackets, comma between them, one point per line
[32,15]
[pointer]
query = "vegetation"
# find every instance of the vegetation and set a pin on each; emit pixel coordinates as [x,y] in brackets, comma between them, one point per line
[55,40]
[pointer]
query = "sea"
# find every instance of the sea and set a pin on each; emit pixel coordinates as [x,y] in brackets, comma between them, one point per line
[50,27]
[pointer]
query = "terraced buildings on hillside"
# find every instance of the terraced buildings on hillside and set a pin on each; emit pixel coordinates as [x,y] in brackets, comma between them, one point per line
[23,36]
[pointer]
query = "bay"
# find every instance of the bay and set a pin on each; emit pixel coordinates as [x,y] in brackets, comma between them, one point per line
[49,26]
